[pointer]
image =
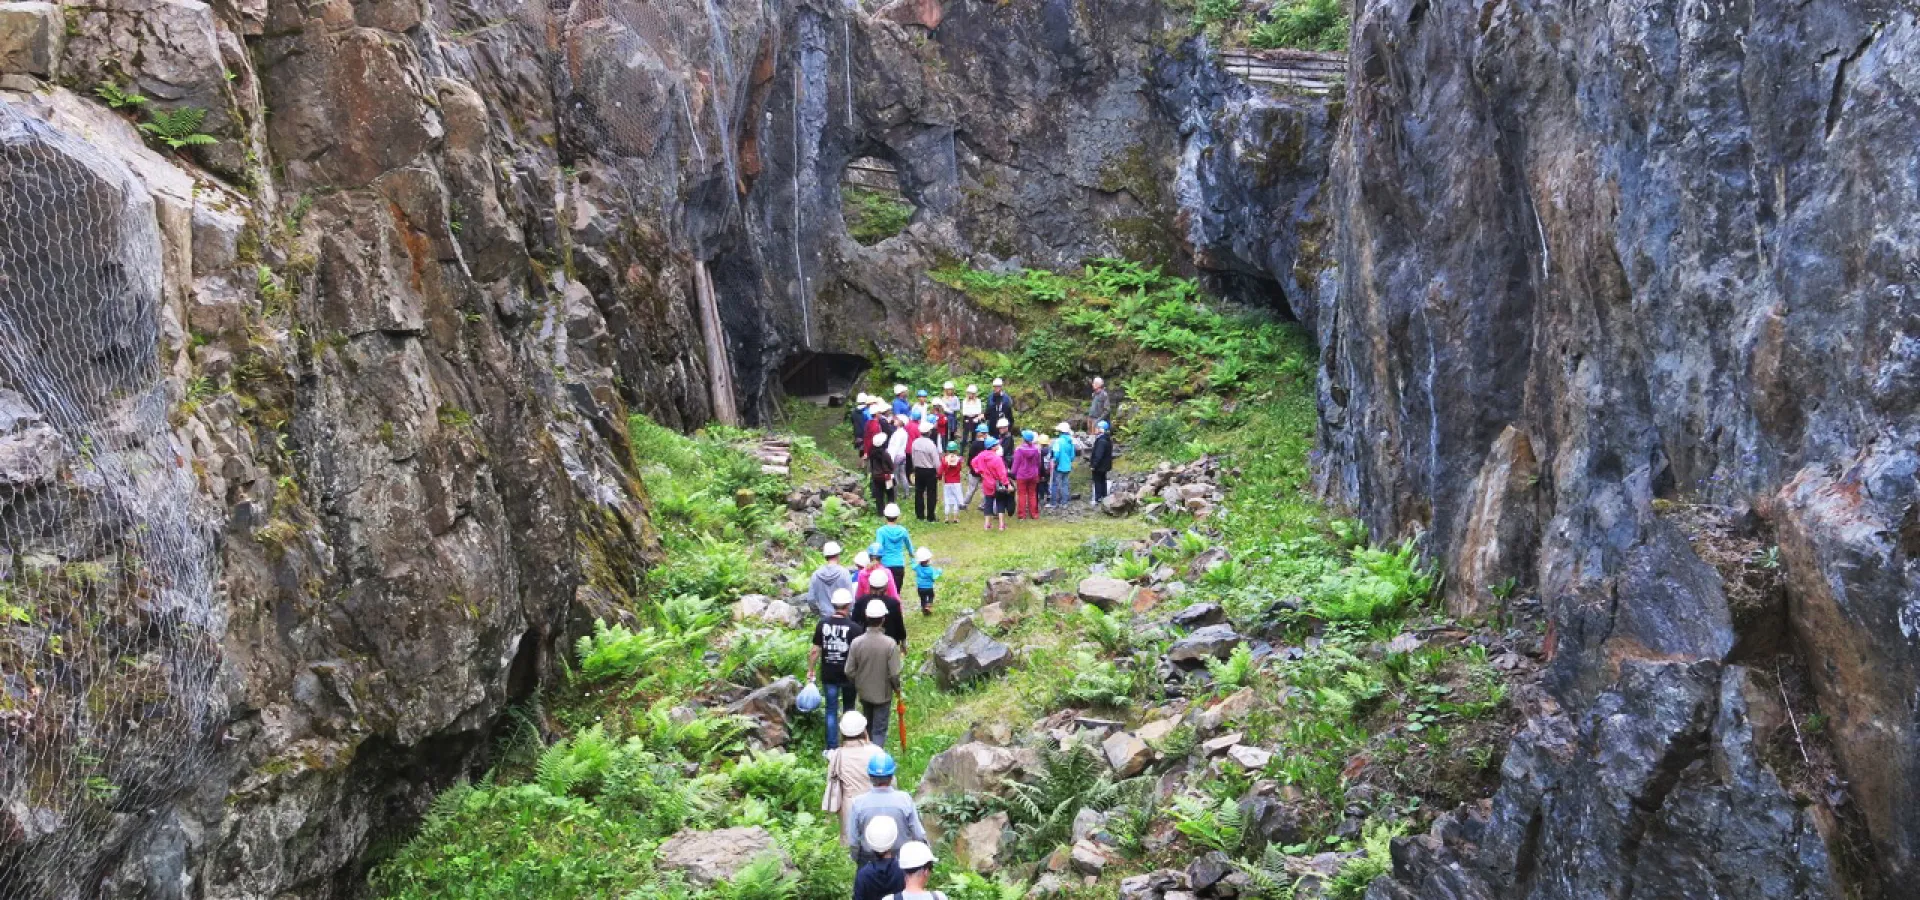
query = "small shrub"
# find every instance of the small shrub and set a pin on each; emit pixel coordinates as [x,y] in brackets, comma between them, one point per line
[1304,25]
[873,216]
[1215,826]
[178,128]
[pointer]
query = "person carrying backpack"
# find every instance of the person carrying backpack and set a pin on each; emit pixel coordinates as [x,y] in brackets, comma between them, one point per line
[874,662]
[828,659]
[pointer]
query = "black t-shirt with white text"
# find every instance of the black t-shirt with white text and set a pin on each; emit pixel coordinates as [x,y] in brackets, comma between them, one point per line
[833,636]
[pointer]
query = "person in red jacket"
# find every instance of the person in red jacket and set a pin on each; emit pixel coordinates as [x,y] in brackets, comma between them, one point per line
[955,493]
[994,484]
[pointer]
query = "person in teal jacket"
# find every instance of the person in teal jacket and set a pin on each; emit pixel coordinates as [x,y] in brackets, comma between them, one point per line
[1063,454]
[896,545]
[924,575]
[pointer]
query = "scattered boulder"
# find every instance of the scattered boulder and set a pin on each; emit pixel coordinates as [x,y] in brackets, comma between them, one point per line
[1209,870]
[1217,716]
[1250,758]
[965,653]
[1200,615]
[992,615]
[1087,824]
[1153,885]
[767,707]
[32,37]
[1222,744]
[1269,821]
[1088,858]
[1049,575]
[1211,642]
[1127,753]
[766,609]
[1156,731]
[1013,590]
[978,846]
[710,857]
[1106,592]
[974,768]
[1119,503]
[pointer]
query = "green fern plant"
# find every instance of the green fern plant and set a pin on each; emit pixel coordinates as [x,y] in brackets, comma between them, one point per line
[1069,779]
[763,879]
[117,97]
[1111,632]
[1215,826]
[1350,883]
[1234,672]
[178,128]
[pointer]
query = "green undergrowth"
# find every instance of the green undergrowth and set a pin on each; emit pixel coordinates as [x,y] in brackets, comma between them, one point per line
[873,216]
[1378,712]
[1295,24]
[1185,365]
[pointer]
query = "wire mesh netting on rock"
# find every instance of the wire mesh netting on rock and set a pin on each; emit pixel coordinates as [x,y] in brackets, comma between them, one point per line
[108,620]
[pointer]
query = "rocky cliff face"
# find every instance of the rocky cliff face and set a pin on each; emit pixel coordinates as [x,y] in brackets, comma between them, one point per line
[313,448]
[1620,285]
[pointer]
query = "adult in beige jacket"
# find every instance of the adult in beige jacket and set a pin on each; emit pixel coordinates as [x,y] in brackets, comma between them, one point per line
[847,768]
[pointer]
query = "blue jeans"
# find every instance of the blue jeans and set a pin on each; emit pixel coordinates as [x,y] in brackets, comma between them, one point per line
[835,696]
[1057,488]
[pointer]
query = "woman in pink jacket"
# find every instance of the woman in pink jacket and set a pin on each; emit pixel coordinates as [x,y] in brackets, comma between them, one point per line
[1026,474]
[994,484]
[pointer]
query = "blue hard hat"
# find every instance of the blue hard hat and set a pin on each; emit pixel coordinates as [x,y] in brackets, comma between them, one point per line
[992,443]
[980,428]
[880,765]
[1027,436]
[922,394]
[1104,426]
[873,549]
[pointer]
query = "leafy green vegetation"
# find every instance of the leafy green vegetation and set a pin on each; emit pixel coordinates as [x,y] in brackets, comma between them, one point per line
[178,128]
[873,216]
[1294,24]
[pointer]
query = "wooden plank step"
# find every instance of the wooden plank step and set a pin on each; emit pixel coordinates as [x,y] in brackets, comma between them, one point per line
[775,470]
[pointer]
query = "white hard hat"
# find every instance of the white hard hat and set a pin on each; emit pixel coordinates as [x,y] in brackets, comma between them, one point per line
[913,854]
[923,554]
[1063,427]
[892,511]
[899,388]
[947,386]
[862,560]
[852,723]
[973,389]
[876,608]
[880,440]
[879,578]
[1001,424]
[881,833]
[831,549]
[842,597]
[999,382]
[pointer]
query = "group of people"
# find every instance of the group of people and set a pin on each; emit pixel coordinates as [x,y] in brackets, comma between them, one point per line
[1015,472]
[879,824]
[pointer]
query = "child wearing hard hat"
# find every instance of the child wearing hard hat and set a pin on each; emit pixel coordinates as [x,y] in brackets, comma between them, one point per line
[924,575]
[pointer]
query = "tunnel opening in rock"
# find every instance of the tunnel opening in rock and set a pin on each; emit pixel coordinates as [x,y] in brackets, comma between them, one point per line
[872,201]
[821,376]
[1252,290]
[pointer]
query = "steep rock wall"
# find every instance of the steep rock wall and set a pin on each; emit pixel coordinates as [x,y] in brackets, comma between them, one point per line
[1601,265]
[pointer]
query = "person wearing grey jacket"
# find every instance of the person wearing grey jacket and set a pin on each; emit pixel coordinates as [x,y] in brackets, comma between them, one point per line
[830,577]
[924,455]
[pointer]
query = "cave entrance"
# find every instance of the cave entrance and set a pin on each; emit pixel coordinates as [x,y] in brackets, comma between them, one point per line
[822,377]
[872,202]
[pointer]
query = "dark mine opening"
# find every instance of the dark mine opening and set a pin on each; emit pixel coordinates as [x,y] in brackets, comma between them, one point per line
[821,376]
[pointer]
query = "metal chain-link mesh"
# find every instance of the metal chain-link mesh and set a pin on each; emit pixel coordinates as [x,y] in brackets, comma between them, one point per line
[109,619]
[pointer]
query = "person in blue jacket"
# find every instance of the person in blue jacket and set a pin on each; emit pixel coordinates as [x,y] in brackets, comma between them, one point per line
[896,545]
[1063,453]
[924,575]
[901,405]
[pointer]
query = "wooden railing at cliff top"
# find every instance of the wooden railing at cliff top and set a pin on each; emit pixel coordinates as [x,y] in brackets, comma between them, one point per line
[1306,71]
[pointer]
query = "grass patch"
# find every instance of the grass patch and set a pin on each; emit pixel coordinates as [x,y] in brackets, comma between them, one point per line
[873,216]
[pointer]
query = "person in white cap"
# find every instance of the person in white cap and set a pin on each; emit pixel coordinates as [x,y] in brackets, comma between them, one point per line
[1063,454]
[1101,407]
[898,444]
[874,662]
[973,413]
[830,577]
[924,577]
[999,405]
[879,585]
[832,636]
[949,400]
[916,862]
[847,769]
[901,405]
[879,877]
[880,471]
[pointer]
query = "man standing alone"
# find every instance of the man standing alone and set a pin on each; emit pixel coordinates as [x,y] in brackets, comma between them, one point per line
[926,476]
[1101,408]
[1100,460]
